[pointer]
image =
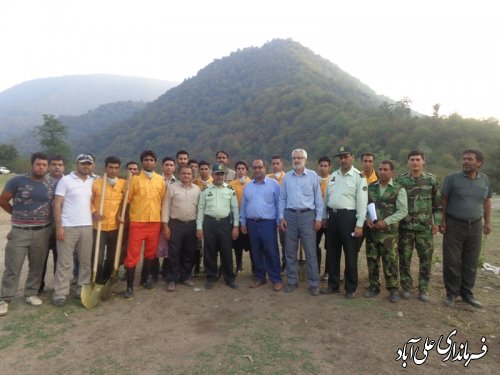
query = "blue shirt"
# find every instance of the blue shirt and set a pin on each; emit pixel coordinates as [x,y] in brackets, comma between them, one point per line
[301,192]
[260,200]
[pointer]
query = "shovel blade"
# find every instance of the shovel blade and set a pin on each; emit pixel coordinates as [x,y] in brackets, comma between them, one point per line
[109,288]
[91,295]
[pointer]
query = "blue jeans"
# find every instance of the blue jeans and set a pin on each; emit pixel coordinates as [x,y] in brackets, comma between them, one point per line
[264,247]
[301,226]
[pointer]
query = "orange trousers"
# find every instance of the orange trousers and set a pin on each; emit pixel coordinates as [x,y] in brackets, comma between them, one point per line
[138,232]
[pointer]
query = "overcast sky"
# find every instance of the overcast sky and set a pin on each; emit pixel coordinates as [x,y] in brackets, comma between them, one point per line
[432,51]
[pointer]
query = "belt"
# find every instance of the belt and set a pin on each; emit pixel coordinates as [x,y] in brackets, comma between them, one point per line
[260,220]
[300,211]
[469,222]
[34,227]
[183,222]
[217,218]
[335,210]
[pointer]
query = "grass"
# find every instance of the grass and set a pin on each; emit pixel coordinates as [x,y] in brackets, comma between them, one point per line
[258,353]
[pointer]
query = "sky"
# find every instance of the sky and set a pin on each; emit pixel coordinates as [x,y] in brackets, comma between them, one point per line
[431,51]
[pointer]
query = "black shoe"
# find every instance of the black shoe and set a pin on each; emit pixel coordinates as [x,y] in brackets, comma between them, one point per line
[394,296]
[449,301]
[209,284]
[349,295]
[371,292]
[130,275]
[129,294]
[289,288]
[232,285]
[314,290]
[149,284]
[471,301]
[59,302]
[329,290]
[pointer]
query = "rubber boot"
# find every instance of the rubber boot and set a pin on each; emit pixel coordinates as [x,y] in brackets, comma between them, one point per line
[130,275]
[146,277]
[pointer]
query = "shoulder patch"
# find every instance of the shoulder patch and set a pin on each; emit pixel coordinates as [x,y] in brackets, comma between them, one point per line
[204,187]
[230,187]
[361,174]
[365,188]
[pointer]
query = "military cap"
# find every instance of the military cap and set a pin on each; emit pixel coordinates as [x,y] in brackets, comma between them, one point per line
[344,150]
[218,168]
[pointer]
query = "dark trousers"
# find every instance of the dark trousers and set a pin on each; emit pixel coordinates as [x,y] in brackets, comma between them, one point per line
[265,252]
[282,243]
[53,248]
[107,251]
[320,234]
[340,226]
[461,250]
[181,250]
[242,243]
[217,236]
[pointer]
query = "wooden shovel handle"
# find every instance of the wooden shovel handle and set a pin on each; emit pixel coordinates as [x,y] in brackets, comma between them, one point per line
[99,226]
[122,225]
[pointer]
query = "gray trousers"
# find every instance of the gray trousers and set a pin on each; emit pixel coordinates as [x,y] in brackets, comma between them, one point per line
[79,238]
[22,243]
[300,226]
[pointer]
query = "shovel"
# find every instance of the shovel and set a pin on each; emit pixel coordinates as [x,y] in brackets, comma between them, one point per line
[110,285]
[302,263]
[91,292]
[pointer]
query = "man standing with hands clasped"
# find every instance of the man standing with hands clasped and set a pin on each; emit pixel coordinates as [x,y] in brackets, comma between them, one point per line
[300,210]
[179,228]
[346,199]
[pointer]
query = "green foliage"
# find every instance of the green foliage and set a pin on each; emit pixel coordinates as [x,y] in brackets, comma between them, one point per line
[8,153]
[263,101]
[52,137]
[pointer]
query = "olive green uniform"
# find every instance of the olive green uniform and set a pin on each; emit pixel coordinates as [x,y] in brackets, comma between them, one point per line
[415,230]
[217,215]
[391,206]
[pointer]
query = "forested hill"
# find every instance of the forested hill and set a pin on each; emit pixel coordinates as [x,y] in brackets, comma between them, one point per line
[268,100]
[22,106]
[83,126]
[255,101]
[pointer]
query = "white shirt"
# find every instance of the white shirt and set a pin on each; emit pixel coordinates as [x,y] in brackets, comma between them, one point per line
[76,206]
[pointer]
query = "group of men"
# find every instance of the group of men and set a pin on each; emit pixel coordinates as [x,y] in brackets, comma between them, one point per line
[218,209]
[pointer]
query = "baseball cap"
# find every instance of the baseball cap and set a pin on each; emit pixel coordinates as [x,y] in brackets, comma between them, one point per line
[83,158]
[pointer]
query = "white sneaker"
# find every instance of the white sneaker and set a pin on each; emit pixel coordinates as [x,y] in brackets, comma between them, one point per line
[4,308]
[34,300]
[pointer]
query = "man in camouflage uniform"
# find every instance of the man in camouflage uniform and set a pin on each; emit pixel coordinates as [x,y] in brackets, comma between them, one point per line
[423,221]
[382,238]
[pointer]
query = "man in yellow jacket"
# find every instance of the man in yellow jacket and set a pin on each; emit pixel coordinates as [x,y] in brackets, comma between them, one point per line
[145,198]
[115,188]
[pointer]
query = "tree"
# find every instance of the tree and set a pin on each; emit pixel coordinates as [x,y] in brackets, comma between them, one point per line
[8,153]
[52,137]
[435,110]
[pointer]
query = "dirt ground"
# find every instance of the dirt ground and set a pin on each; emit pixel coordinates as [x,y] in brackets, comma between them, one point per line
[245,331]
